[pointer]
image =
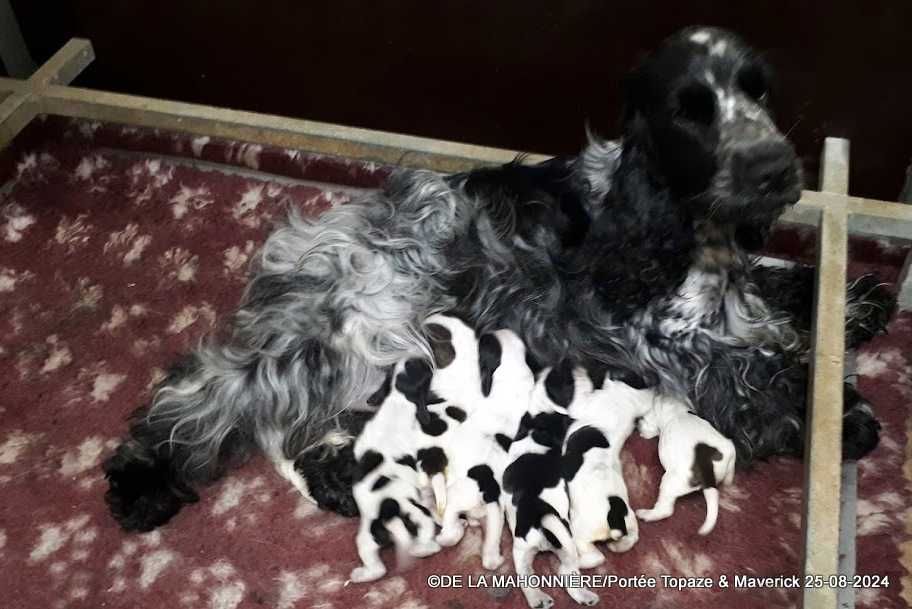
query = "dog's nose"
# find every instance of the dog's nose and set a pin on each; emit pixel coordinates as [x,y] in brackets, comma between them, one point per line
[765,167]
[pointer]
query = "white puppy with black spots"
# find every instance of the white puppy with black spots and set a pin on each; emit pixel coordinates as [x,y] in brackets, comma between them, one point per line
[478,448]
[605,413]
[534,493]
[401,450]
[446,395]
[386,485]
[695,457]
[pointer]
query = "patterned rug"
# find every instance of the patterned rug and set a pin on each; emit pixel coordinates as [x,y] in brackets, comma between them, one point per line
[117,254]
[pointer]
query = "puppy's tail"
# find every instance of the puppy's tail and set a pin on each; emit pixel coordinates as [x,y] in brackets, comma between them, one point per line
[711,495]
[556,532]
[439,486]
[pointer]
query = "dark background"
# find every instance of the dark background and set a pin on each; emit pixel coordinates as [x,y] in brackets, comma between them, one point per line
[523,74]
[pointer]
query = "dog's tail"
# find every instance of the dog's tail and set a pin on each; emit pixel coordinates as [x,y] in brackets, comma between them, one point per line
[712,510]
[556,531]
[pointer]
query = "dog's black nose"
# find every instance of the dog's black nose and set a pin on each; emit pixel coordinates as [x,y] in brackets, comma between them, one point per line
[765,167]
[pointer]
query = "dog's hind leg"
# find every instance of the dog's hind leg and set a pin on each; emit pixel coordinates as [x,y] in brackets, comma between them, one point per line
[491,558]
[671,487]
[569,559]
[523,555]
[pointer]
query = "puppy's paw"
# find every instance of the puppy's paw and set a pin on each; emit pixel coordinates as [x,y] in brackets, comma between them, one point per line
[591,559]
[624,543]
[583,596]
[538,599]
[362,574]
[492,562]
[450,537]
[650,515]
[422,549]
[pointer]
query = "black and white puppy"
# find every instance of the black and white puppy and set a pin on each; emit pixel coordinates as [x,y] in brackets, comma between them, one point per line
[478,448]
[605,413]
[534,489]
[387,486]
[447,398]
[695,457]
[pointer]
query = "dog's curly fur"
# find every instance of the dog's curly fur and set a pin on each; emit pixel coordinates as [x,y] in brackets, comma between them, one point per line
[631,257]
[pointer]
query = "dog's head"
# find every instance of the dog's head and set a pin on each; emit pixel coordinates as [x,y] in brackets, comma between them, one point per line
[698,110]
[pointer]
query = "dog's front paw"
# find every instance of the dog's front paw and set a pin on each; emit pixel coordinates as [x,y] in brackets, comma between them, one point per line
[422,549]
[451,536]
[583,596]
[591,559]
[860,430]
[651,515]
[492,562]
[362,574]
[538,599]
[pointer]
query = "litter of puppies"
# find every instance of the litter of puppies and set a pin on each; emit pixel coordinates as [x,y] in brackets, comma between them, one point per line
[479,437]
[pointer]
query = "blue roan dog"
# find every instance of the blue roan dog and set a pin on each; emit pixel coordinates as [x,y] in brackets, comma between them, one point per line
[631,258]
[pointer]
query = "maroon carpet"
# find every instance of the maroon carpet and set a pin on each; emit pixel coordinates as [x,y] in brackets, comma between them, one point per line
[113,262]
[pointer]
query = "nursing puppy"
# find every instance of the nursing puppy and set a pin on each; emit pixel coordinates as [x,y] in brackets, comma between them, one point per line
[534,489]
[387,488]
[478,448]
[605,413]
[445,397]
[695,457]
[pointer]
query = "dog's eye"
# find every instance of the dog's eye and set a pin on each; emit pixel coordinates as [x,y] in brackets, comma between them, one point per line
[697,103]
[752,81]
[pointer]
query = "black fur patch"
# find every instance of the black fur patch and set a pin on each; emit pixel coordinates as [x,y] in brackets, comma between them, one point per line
[380,482]
[441,341]
[420,508]
[503,441]
[483,475]
[578,443]
[379,396]
[389,509]
[489,355]
[702,473]
[597,373]
[414,382]
[456,413]
[617,514]
[433,425]
[408,461]
[368,462]
[552,538]
[560,384]
[546,428]
[432,460]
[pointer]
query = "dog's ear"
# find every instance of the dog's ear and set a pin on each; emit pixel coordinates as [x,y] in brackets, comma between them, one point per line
[489,354]
[560,384]
[414,382]
[441,341]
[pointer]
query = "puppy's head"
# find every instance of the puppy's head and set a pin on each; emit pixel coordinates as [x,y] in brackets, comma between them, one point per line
[697,108]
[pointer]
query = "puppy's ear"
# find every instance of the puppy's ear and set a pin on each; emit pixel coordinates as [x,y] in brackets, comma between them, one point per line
[560,385]
[414,382]
[489,354]
[377,397]
[441,341]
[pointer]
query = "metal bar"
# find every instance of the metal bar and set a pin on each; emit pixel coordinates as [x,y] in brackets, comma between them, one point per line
[272,130]
[823,446]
